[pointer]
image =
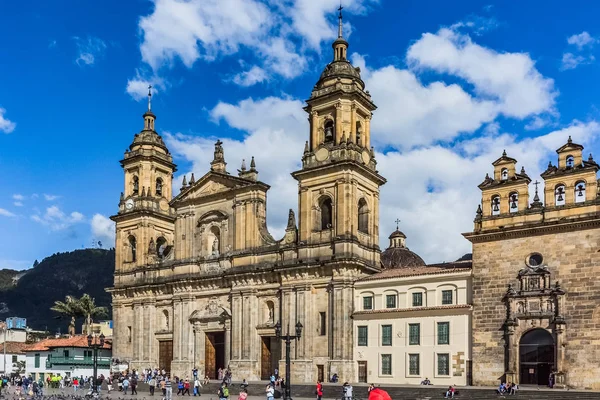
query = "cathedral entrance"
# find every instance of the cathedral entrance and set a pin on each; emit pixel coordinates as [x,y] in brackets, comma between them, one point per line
[165,355]
[269,356]
[214,353]
[536,357]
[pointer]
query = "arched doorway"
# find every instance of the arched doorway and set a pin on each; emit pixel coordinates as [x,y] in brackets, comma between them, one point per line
[536,357]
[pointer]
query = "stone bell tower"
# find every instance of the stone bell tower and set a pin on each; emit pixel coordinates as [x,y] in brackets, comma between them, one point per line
[339,183]
[145,221]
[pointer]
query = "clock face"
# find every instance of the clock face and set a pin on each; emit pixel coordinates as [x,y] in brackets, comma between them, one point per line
[164,205]
[129,204]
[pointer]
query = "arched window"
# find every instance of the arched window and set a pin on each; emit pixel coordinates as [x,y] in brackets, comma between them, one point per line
[559,195]
[363,216]
[570,161]
[166,320]
[580,192]
[136,185]
[504,174]
[513,202]
[495,205]
[326,213]
[215,241]
[159,187]
[132,248]
[358,134]
[328,130]
[161,247]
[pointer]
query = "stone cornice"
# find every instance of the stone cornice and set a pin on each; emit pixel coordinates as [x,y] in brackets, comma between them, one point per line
[321,170]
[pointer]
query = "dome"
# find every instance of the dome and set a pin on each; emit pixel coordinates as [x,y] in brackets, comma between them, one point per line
[340,69]
[397,233]
[400,257]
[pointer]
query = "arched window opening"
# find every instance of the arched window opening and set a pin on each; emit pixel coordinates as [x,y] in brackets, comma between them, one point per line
[570,162]
[166,319]
[358,134]
[215,241]
[363,216]
[580,192]
[513,202]
[328,131]
[161,247]
[136,185]
[495,205]
[159,187]
[269,312]
[559,195]
[326,213]
[504,174]
[536,356]
[132,248]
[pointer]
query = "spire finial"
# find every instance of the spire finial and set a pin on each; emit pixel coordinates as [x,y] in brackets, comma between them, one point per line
[340,34]
[397,221]
[504,153]
[569,141]
[149,97]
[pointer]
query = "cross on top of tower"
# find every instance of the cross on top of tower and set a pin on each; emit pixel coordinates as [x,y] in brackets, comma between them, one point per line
[397,221]
[340,20]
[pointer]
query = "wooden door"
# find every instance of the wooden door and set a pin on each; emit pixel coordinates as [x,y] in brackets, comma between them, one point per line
[165,354]
[265,358]
[321,373]
[210,356]
[362,371]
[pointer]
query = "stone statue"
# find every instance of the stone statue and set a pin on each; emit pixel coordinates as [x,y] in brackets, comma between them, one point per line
[215,247]
[151,247]
[219,150]
[291,220]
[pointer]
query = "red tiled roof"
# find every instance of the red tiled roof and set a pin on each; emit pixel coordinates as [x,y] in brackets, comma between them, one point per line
[73,341]
[393,310]
[13,347]
[431,269]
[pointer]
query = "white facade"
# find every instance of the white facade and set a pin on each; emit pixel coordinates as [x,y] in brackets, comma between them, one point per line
[13,335]
[67,361]
[11,362]
[412,324]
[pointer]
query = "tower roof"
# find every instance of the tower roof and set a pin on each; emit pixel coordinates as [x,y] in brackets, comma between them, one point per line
[398,255]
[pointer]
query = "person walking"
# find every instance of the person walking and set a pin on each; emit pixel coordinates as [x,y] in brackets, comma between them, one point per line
[125,385]
[152,385]
[168,389]
[223,392]
[133,385]
[319,391]
[186,387]
[197,386]
[270,392]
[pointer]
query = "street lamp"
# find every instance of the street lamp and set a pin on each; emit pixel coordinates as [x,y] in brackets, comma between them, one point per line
[288,339]
[95,345]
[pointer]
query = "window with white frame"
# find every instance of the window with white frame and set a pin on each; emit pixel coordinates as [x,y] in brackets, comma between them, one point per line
[363,333]
[414,334]
[386,364]
[443,333]
[417,299]
[447,297]
[386,335]
[414,364]
[443,364]
[368,303]
[390,301]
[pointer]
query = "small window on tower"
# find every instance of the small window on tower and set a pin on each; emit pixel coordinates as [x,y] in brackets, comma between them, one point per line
[136,185]
[328,130]
[358,134]
[132,249]
[570,162]
[513,202]
[159,186]
[559,195]
[504,174]
[326,213]
[580,192]
[495,205]
[363,216]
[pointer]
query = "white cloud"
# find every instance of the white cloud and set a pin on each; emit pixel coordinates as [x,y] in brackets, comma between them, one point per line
[88,50]
[137,87]
[18,204]
[251,77]
[6,125]
[56,219]
[572,61]
[582,40]
[18,197]
[510,79]
[103,229]
[6,213]
[50,197]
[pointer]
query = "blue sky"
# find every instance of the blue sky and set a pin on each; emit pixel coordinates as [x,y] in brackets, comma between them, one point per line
[455,82]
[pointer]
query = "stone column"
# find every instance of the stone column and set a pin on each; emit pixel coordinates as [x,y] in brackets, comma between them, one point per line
[560,376]
[367,132]
[512,354]
[338,123]
[227,343]
[314,130]
[353,123]
[236,324]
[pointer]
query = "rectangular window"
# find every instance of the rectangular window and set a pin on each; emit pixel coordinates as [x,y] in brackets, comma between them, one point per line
[37,361]
[363,336]
[443,332]
[413,364]
[322,323]
[417,299]
[66,353]
[443,364]
[414,334]
[390,301]
[87,354]
[368,303]
[386,335]
[447,297]
[386,364]
[14,359]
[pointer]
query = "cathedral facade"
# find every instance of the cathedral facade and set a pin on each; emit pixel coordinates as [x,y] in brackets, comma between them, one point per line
[200,282]
[536,308]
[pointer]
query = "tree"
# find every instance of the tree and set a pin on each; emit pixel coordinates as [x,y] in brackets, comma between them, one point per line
[70,308]
[83,307]
[19,367]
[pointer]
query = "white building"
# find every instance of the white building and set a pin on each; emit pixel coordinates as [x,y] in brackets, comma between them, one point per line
[413,321]
[66,357]
[11,357]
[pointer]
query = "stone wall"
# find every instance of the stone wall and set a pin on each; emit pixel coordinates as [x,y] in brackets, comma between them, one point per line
[573,259]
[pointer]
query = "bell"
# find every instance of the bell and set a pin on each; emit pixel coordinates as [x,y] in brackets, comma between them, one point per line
[580,190]
[496,208]
[560,197]
[513,203]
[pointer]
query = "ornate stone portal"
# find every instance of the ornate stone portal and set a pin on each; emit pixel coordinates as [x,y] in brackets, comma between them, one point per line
[536,304]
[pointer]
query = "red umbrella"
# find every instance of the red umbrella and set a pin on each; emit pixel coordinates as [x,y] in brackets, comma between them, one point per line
[379,394]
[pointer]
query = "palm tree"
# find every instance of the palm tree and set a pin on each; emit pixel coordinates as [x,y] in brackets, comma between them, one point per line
[69,308]
[88,309]
[82,307]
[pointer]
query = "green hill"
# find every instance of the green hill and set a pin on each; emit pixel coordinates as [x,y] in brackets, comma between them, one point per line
[73,273]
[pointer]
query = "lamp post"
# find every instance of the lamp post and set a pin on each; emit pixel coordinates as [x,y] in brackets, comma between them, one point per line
[95,345]
[287,395]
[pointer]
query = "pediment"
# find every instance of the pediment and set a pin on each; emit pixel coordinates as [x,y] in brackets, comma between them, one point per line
[210,184]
